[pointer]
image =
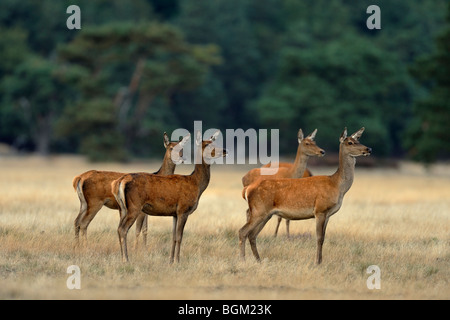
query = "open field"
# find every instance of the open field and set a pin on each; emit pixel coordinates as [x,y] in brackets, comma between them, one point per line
[397,219]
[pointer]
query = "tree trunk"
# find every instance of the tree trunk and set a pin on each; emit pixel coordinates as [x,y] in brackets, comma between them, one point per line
[42,134]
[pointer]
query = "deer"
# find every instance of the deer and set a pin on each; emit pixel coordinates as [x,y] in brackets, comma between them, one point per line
[317,197]
[306,148]
[174,196]
[94,191]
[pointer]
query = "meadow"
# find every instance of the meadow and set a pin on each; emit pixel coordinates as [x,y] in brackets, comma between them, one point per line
[395,218]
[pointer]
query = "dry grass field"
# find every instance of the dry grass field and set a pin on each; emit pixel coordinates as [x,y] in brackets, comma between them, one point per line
[397,219]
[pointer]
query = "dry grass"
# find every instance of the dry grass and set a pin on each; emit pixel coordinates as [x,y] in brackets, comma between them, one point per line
[396,219]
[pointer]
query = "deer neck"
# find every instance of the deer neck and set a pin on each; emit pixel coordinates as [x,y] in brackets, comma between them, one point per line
[202,175]
[300,162]
[345,173]
[167,167]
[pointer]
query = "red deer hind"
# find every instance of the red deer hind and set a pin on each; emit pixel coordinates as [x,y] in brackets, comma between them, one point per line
[94,191]
[306,148]
[174,196]
[316,197]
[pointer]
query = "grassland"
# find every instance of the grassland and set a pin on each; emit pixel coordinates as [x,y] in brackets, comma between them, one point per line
[397,219]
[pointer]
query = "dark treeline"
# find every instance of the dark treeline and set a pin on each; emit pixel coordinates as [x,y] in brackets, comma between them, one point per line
[138,68]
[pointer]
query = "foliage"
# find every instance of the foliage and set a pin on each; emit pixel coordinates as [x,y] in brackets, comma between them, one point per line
[327,88]
[125,70]
[429,136]
[137,69]
[33,94]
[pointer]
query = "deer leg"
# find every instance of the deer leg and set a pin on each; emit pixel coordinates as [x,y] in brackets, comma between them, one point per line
[321,222]
[139,224]
[248,214]
[83,209]
[287,228]
[82,222]
[278,225]
[252,240]
[259,225]
[81,213]
[125,224]
[180,229]
[243,234]
[244,231]
[145,230]
[179,235]
[174,235]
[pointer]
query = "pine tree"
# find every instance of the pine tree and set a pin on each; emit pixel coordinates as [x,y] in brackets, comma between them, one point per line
[429,136]
[127,74]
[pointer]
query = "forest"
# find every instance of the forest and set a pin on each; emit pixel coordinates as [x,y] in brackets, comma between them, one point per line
[138,68]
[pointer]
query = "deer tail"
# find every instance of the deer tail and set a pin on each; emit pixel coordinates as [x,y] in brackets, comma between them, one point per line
[118,190]
[78,186]
[75,182]
[244,193]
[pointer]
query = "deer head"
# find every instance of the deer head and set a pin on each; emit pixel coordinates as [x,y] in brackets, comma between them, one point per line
[176,148]
[209,150]
[308,144]
[352,146]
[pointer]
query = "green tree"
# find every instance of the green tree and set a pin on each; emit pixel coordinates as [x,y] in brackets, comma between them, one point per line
[227,24]
[284,64]
[127,74]
[45,20]
[342,82]
[33,94]
[13,50]
[34,89]
[429,137]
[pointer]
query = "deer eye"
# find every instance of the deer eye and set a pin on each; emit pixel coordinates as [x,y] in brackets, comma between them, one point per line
[350,143]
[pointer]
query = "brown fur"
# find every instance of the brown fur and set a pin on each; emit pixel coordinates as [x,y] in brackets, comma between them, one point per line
[306,148]
[316,197]
[284,171]
[94,191]
[174,196]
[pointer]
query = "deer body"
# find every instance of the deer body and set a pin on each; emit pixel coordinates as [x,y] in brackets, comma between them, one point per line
[306,148]
[164,196]
[285,170]
[173,195]
[316,197]
[94,191]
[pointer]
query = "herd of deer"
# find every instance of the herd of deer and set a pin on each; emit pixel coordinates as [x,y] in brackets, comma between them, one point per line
[291,193]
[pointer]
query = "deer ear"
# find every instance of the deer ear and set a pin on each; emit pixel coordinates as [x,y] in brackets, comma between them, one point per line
[358,134]
[343,135]
[184,139]
[166,140]
[198,138]
[215,135]
[300,135]
[312,135]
